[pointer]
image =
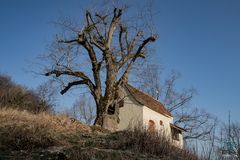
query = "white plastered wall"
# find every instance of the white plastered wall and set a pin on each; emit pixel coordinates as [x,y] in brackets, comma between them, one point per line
[179,143]
[149,114]
[131,114]
[135,114]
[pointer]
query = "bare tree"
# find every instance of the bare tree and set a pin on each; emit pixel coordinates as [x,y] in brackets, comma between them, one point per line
[83,109]
[47,95]
[198,123]
[230,141]
[235,138]
[148,80]
[209,149]
[100,57]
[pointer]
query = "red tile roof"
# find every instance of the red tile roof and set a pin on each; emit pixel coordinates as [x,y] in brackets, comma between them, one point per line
[147,100]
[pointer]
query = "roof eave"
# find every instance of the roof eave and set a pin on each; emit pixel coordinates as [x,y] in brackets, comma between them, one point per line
[177,127]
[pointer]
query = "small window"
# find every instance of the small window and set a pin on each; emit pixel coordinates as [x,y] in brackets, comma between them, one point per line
[151,126]
[161,123]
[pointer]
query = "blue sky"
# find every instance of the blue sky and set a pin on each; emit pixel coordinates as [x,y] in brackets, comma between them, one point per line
[198,38]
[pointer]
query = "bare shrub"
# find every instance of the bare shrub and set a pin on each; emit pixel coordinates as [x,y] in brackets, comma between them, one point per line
[47,96]
[155,143]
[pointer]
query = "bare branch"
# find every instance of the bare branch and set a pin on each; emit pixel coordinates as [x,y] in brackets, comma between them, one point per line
[124,77]
[92,55]
[120,39]
[114,22]
[91,24]
[145,42]
[181,102]
[70,73]
[135,40]
[127,40]
[73,84]
[85,79]
[68,41]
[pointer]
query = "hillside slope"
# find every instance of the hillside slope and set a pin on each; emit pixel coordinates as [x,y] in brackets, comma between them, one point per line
[24,135]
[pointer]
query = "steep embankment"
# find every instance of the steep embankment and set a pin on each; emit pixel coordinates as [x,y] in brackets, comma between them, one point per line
[24,135]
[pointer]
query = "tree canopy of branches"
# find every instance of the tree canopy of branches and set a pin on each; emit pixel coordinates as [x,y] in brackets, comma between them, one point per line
[198,123]
[100,57]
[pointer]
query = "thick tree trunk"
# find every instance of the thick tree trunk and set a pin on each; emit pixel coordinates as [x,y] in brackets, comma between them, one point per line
[107,121]
[99,119]
[105,118]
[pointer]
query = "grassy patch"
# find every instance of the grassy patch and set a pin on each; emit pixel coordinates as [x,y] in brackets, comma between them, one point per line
[22,130]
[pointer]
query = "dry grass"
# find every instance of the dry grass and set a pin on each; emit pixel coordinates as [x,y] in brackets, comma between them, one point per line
[130,144]
[140,140]
[22,130]
[36,133]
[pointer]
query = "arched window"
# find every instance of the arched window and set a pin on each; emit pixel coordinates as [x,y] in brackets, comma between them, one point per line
[151,126]
[161,123]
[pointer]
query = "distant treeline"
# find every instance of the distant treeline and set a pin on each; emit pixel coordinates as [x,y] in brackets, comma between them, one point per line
[16,96]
